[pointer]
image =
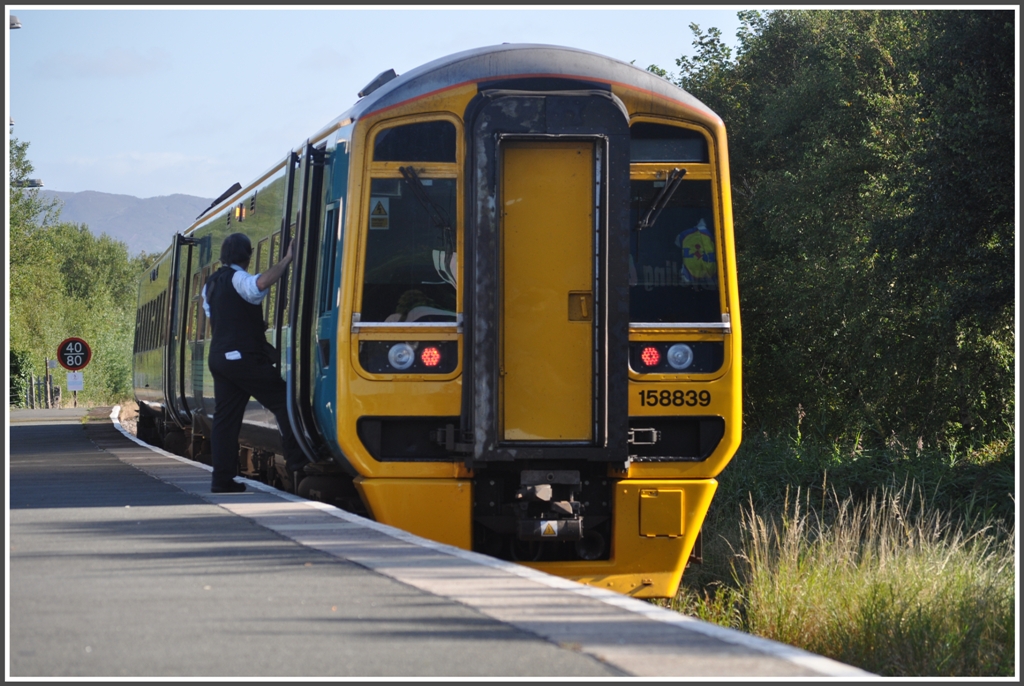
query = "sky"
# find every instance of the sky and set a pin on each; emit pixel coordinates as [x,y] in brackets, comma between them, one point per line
[150,102]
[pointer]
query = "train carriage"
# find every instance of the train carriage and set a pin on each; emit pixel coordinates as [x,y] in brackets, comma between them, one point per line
[512,320]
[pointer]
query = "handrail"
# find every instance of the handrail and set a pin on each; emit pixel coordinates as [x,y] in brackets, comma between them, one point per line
[285,239]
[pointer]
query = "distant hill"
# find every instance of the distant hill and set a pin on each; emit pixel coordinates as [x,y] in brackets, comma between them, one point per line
[143,224]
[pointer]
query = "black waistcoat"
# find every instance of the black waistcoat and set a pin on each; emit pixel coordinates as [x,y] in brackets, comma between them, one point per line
[237,324]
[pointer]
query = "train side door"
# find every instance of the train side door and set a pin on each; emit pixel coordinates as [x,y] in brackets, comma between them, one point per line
[177,342]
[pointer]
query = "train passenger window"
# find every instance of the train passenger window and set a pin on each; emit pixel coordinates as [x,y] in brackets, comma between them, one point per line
[327,261]
[160,328]
[148,326]
[661,143]
[197,297]
[192,318]
[142,328]
[285,305]
[138,321]
[270,302]
[411,264]
[202,329]
[145,326]
[262,257]
[429,141]
[673,265]
[262,264]
[151,324]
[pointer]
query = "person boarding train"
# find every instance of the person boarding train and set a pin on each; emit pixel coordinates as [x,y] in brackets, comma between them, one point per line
[240,359]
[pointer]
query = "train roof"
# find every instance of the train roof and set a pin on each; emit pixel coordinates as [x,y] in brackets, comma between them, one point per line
[497,63]
[516,61]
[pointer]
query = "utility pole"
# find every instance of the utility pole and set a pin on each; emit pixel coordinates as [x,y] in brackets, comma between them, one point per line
[15,24]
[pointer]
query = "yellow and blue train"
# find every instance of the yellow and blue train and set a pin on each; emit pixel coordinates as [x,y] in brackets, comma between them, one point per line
[512,321]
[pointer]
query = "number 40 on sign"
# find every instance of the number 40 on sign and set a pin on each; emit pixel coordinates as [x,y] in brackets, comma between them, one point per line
[73,354]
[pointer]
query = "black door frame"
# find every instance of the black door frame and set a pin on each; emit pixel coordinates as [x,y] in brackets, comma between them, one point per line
[502,115]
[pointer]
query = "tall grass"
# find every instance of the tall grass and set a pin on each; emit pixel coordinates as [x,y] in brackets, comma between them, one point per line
[887,583]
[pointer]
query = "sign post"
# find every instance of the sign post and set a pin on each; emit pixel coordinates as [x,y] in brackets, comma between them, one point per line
[73,354]
[75,384]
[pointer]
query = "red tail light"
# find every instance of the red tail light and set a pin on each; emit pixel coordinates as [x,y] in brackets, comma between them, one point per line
[430,356]
[650,356]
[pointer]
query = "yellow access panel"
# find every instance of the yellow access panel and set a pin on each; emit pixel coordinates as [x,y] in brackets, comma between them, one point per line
[547,357]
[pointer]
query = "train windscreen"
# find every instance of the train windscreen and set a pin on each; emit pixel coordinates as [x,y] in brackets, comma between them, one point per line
[673,268]
[410,251]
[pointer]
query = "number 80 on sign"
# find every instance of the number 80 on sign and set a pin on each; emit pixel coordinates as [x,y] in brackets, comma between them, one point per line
[73,354]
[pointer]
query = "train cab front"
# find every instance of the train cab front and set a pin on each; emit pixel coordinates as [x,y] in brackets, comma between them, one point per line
[541,278]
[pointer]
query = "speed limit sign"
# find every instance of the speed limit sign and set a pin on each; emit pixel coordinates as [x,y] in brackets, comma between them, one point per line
[73,354]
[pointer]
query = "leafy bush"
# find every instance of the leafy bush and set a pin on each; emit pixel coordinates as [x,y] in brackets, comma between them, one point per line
[20,365]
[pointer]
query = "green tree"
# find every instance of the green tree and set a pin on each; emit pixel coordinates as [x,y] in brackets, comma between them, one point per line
[32,271]
[872,163]
[67,282]
[949,257]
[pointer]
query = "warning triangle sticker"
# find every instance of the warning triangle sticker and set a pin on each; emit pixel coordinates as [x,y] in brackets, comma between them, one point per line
[379,210]
[549,530]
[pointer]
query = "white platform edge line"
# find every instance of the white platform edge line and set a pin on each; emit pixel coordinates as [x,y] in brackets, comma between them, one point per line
[824,665]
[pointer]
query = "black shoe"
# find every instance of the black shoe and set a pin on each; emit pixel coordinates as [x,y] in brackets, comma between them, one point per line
[229,487]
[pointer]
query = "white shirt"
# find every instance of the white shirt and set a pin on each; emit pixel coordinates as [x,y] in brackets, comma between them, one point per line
[245,286]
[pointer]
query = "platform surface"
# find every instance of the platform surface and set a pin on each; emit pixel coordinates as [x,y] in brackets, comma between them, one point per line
[121,563]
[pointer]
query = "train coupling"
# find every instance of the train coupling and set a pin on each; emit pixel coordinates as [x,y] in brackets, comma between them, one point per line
[546,506]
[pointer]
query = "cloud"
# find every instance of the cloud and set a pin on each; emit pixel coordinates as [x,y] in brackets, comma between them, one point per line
[116,63]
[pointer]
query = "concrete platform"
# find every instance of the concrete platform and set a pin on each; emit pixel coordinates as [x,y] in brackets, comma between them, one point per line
[121,563]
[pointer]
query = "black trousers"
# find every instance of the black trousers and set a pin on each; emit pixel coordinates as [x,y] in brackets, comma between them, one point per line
[234,382]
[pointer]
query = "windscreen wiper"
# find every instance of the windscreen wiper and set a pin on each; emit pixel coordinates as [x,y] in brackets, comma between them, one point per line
[436,212]
[675,178]
[443,258]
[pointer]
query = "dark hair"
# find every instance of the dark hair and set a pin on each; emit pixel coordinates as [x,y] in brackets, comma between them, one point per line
[236,249]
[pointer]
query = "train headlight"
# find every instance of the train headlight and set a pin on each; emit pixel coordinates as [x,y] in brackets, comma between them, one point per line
[430,356]
[650,356]
[680,356]
[401,356]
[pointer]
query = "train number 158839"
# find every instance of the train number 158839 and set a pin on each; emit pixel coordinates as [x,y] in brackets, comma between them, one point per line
[677,398]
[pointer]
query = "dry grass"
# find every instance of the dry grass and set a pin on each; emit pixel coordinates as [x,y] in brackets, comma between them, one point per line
[886,584]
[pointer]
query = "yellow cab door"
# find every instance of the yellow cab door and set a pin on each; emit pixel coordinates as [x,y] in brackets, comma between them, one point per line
[547,374]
